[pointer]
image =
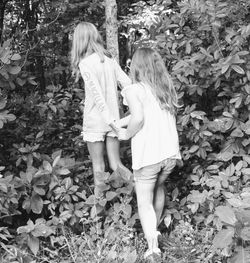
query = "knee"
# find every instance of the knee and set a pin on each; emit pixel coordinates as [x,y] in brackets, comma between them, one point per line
[98,167]
[160,182]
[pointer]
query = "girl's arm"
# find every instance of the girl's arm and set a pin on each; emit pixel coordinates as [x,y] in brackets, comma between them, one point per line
[121,76]
[137,118]
[92,84]
[124,121]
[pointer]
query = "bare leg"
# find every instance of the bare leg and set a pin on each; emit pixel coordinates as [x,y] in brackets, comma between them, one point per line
[145,194]
[113,152]
[159,199]
[96,151]
[159,192]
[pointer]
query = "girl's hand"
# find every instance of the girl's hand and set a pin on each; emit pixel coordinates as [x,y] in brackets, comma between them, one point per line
[115,127]
[122,134]
[124,121]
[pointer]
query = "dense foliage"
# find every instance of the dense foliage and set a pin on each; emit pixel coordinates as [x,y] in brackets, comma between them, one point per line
[47,209]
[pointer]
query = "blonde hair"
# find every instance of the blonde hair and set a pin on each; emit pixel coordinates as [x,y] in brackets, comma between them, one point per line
[86,40]
[148,67]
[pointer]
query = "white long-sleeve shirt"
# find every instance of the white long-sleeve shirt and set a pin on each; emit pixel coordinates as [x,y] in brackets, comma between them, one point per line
[101,105]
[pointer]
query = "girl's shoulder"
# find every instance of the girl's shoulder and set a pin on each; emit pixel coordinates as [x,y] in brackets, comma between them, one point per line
[89,58]
[91,62]
[136,89]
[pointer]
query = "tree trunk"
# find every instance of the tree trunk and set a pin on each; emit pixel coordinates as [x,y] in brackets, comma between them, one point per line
[65,52]
[2,9]
[112,28]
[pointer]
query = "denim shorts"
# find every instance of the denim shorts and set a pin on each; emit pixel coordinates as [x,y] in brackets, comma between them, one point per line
[97,136]
[150,173]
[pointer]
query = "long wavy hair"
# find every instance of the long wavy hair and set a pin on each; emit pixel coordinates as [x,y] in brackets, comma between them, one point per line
[148,67]
[86,40]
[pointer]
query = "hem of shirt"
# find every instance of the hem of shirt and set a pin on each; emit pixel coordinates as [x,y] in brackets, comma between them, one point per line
[96,131]
[176,156]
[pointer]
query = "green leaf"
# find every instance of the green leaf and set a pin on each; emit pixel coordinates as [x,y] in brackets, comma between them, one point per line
[39,190]
[224,69]
[235,202]
[16,57]
[26,229]
[95,210]
[56,160]
[41,230]
[110,195]
[238,69]
[91,200]
[3,187]
[63,171]
[226,214]
[175,193]
[224,238]
[36,203]
[131,257]
[245,171]
[20,81]
[198,114]
[40,134]
[225,156]
[56,154]
[14,70]
[237,133]
[112,254]
[194,148]
[167,220]
[128,210]
[47,166]
[67,182]
[79,213]
[3,103]
[33,243]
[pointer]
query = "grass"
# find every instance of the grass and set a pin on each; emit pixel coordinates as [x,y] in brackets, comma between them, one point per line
[183,245]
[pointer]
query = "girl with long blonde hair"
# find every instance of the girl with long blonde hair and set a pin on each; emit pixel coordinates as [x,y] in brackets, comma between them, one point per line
[101,74]
[152,102]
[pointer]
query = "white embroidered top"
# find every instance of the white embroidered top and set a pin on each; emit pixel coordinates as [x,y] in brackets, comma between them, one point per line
[101,105]
[158,138]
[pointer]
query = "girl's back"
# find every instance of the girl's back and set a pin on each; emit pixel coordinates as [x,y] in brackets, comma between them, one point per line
[158,138]
[101,94]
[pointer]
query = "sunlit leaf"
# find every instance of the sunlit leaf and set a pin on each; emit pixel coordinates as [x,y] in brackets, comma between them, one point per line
[16,57]
[33,243]
[224,238]
[14,70]
[36,203]
[238,69]
[226,214]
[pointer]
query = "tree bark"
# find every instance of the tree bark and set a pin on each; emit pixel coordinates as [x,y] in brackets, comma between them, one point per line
[112,28]
[2,9]
[65,52]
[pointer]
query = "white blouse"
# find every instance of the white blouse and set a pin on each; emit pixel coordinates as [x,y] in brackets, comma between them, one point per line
[158,138]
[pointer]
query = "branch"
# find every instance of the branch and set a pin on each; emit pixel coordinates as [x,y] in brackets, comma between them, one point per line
[48,24]
[16,214]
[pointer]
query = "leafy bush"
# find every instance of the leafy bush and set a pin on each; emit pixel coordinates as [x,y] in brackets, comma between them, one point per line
[206,47]
[46,184]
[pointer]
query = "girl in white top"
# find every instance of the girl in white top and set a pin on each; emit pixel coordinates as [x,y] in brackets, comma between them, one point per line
[152,101]
[101,75]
